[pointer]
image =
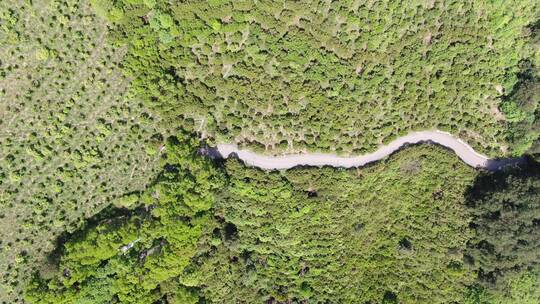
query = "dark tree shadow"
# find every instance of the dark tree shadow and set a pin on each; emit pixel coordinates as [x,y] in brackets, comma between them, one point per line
[505,210]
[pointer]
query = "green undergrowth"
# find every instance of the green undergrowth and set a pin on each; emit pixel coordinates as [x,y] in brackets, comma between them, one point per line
[333,75]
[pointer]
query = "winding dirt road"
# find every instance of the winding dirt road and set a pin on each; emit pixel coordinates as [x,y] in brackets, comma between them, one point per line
[462,149]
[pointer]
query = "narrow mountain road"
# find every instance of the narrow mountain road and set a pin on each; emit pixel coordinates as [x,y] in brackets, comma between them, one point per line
[462,149]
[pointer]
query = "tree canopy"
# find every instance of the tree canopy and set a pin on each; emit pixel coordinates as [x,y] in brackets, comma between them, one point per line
[139,257]
[506,219]
[333,75]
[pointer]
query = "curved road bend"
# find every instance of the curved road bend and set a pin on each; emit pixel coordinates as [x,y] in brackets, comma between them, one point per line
[462,149]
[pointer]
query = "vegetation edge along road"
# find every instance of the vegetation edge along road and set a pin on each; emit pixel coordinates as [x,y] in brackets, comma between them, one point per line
[464,151]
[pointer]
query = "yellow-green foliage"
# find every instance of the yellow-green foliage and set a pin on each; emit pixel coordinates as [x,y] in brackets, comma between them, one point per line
[71,140]
[343,75]
[521,288]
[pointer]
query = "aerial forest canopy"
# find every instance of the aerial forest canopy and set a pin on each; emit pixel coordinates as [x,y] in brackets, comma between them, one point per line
[335,75]
[321,236]
[107,194]
[138,256]
[309,236]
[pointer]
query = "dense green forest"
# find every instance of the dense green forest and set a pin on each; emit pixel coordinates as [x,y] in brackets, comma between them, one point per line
[505,250]
[137,257]
[344,236]
[106,197]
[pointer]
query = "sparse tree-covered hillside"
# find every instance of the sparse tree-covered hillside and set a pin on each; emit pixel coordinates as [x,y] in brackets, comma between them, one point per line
[334,75]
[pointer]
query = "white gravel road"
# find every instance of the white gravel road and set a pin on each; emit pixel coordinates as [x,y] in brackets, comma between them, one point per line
[462,149]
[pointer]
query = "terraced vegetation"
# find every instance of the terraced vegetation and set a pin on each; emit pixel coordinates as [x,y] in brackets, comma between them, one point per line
[341,75]
[69,141]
